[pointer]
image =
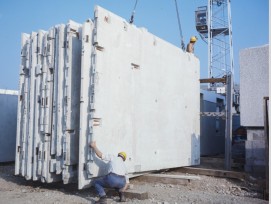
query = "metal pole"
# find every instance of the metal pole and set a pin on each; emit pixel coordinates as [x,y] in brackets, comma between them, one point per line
[266,134]
[209,40]
[228,132]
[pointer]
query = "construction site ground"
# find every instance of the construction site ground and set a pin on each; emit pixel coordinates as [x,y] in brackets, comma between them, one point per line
[203,189]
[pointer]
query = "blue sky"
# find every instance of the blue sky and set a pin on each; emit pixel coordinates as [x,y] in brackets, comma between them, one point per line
[249,21]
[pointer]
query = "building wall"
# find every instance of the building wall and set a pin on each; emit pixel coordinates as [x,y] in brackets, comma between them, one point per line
[212,131]
[255,152]
[254,83]
[8,122]
[254,72]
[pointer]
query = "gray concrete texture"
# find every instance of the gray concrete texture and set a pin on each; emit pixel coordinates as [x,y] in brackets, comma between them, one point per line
[255,152]
[254,84]
[8,121]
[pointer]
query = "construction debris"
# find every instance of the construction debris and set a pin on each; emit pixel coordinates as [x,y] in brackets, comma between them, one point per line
[15,189]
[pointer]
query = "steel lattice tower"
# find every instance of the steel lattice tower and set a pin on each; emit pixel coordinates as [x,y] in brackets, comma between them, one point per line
[213,22]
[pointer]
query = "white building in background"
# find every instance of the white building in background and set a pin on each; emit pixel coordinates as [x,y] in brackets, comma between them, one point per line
[212,129]
[8,122]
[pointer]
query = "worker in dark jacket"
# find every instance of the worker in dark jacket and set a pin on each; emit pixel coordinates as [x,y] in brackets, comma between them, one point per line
[190,45]
[116,178]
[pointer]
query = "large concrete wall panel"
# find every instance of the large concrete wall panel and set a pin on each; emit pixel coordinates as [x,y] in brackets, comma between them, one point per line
[142,103]
[254,72]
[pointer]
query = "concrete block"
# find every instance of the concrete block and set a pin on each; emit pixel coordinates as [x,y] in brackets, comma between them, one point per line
[256,170]
[255,134]
[130,193]
[255,161]
[212,172]
[168,179]
[255,144]
[255,150]
[254,83]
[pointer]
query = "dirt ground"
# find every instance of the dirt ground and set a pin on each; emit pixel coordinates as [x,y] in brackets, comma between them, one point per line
[15,189]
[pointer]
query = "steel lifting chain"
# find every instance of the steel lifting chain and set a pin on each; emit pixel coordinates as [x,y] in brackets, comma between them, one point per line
[133,13]
[180,27]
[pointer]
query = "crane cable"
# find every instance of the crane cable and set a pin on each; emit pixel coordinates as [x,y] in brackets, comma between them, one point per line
[133,13]
[180,27]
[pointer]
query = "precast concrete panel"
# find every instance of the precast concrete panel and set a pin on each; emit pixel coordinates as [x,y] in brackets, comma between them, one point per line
[50,61]
[141,100]
[37,102]
[254,72]
[60,96]
[44,111]
[32,96]
[48,172]
[85,154]
[72,101]
[55,92]
[20,109]
[26,89]
[43,85]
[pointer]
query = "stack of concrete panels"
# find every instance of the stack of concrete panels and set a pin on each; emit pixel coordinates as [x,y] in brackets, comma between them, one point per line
[254,83]
[133,97]
[48,105]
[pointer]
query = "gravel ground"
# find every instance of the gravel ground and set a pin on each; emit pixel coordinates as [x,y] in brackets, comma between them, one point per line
[15,189]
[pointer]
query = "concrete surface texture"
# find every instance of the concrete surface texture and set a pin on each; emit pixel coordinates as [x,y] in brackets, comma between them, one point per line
[141,101]
[254,83]
[130,91]
[8,121]
[255,152]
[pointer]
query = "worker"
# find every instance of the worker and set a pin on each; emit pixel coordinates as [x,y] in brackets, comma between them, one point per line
[190,45]
[116,178]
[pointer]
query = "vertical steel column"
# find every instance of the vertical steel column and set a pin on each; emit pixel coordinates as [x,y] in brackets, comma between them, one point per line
[210,74]
[228,132]
[266,134]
